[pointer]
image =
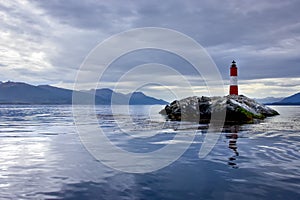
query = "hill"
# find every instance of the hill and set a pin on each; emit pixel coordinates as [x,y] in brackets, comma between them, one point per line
[291,100]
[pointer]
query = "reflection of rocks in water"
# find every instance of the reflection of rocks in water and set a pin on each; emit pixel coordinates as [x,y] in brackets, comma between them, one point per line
[233,136]
[175,125]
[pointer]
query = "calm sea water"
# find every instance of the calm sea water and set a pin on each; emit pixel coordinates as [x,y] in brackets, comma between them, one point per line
[41,157]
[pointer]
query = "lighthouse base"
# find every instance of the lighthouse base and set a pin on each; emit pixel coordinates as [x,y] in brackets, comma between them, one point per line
[233,90]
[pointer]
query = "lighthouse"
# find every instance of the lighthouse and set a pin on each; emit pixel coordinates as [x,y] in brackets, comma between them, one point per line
[233,90]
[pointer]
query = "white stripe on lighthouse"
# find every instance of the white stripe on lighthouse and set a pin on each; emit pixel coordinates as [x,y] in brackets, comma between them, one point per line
[233,80]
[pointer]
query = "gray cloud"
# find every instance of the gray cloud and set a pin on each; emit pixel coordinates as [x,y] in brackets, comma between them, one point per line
[46,41]
[90,14]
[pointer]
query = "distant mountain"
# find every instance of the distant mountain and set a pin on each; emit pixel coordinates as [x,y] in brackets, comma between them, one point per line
[268,100]
[291,100]
[107,94]
[23,93]
[138,98]
[135,98]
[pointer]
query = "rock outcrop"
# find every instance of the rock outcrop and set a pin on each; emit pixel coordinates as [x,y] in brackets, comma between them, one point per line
[234,109]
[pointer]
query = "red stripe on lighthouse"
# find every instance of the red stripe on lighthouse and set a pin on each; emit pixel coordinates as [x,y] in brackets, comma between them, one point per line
[233,89]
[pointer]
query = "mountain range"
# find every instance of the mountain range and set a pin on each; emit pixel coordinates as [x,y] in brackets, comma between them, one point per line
[268,100]
[290,100]
[23,93]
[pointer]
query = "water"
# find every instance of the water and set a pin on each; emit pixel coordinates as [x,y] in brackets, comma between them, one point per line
[41,157]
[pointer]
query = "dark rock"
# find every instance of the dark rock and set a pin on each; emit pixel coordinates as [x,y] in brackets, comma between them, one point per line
[234,109]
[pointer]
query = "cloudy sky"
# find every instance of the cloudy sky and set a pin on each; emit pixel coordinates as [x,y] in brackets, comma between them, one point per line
[45,42]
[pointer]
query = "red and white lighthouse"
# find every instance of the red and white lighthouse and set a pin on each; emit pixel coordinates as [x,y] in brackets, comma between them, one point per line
[233,90]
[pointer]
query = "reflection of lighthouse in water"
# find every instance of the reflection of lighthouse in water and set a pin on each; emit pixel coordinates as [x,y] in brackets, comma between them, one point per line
[233,136]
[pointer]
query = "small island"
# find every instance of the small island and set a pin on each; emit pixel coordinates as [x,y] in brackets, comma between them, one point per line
[239,109]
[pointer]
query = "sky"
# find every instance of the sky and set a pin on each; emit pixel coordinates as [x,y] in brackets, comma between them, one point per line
[45,42]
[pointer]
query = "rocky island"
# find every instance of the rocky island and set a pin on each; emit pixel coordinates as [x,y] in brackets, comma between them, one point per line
[239,109]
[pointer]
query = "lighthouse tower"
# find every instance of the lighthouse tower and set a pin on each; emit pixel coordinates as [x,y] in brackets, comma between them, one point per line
[233,90]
